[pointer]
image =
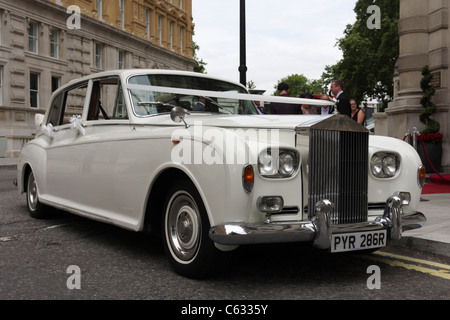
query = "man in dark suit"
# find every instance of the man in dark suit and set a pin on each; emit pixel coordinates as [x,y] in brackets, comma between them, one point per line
[200,105]
[343,103]
[284,108]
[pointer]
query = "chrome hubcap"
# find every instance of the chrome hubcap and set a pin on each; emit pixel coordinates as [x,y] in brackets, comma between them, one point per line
[32,192]
[183,227]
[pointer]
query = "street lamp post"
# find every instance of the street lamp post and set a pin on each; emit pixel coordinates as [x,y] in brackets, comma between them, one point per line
[242,67]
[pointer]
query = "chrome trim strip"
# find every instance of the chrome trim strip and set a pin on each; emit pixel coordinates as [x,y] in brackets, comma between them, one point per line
[111,122]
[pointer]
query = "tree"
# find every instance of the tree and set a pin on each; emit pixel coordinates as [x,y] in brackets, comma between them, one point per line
[251,85]
[200,67]
[298,84]
[369,54]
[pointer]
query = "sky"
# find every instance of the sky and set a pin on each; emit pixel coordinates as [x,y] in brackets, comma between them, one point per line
[283,37]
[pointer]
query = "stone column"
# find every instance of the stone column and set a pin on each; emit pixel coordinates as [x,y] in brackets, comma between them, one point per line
[413,56]
[423,31]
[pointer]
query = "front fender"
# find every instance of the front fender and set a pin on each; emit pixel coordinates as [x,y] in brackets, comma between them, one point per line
[213,159]
[406,179]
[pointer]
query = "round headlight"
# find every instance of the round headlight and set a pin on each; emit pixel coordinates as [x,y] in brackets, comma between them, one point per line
[265,164]
[278,164]
[385,164]
[286,163]
[390,165]
[376,164]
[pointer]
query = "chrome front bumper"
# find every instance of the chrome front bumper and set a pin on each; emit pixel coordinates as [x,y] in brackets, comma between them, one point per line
[319,229]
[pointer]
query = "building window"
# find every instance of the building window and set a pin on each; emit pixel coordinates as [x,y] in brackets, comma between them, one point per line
[34,90]
[1,23]
[160,29]
[181,39]
[54,43]
[181,4]
[171,34]
[33,37]
[98,55]
[55,83]
[121,14]
[147,22]
[99,7]
[121,59]
[1,85]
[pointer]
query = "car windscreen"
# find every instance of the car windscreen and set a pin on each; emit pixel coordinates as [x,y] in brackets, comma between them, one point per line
[150,102]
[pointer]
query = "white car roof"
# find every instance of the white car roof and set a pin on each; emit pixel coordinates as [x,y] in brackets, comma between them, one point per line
[125,73]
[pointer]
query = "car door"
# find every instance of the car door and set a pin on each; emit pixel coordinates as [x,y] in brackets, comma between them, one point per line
[103,125]
[62,185]
[86,118]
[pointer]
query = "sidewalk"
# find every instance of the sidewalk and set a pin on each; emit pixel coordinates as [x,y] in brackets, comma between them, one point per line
[434,237]
[8,161]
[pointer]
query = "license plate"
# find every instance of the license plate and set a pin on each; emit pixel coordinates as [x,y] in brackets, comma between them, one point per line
[358,241]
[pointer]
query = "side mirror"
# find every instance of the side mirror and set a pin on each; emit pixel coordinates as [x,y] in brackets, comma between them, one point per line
[38,118]
[177,115]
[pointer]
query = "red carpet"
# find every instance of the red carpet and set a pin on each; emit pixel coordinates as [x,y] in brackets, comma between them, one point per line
[430,188]
[437,184]
[442,179]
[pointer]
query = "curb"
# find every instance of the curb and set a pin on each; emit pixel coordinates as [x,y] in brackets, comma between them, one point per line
[423,245]
[8,161]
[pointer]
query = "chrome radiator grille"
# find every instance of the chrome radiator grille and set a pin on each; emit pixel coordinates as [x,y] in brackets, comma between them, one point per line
[338,171]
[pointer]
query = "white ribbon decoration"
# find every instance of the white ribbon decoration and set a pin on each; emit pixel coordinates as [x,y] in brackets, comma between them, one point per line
[230,95]
[77,124]
[47,130]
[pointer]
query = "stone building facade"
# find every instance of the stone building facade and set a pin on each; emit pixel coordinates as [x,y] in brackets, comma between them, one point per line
[424,40]
[46,43]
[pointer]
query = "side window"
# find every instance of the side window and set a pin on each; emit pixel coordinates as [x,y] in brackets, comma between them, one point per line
[66,104]
[74,101]
[56,110]
[120,110]
[107,101]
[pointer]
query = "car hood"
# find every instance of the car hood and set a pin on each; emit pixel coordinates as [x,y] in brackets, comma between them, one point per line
[284,122]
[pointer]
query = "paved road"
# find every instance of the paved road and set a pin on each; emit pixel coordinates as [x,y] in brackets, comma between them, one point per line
[36,258]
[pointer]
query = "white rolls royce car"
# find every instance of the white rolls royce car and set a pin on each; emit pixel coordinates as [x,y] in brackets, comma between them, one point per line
[190,157]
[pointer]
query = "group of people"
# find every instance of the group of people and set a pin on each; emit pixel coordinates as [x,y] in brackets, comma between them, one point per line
[344,105]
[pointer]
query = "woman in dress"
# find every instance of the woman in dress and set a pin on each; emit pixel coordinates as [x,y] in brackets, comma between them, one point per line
[357,114]
[306,108]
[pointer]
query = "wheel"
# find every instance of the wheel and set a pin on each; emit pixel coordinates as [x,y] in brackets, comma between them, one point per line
[190,250]
[36,209]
